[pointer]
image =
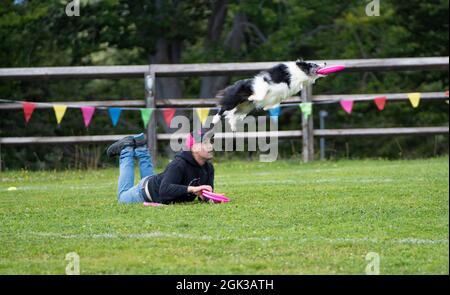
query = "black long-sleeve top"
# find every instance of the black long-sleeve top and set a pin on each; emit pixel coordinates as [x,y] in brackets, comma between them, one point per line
[171,185]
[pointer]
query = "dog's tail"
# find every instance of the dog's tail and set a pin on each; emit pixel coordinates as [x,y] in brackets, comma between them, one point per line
[229,98]
[235,94]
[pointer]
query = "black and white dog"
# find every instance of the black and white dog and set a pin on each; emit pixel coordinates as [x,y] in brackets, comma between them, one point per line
[266,90]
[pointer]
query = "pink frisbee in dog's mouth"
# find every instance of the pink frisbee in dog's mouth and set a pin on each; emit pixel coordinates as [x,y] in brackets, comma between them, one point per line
[329,70]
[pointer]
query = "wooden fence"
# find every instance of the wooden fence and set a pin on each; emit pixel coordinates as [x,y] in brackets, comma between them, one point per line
[151,72]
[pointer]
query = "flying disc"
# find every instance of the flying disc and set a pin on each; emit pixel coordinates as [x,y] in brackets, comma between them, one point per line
[329,70]
[215,197]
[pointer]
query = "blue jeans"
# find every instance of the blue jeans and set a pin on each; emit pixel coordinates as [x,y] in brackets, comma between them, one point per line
[127,191]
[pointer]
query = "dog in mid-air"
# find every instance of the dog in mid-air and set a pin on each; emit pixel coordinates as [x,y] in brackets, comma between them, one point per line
[264,91]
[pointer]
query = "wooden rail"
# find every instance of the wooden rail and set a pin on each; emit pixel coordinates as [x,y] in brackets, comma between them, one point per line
[209,69]
[212,102]
[151,72]
[224,135]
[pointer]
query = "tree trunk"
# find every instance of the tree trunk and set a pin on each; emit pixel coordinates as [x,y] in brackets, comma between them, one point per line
[233,43]
[167,52]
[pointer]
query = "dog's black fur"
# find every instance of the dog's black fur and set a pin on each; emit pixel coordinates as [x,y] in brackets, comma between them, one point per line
[266,90]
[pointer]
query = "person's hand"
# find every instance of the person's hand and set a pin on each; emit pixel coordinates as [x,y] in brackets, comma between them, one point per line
[197,190]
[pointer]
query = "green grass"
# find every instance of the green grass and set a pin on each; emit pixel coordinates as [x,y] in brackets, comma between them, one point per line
[285,218]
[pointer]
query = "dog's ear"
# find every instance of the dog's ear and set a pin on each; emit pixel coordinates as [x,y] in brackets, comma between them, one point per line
[304,66]
[300,60]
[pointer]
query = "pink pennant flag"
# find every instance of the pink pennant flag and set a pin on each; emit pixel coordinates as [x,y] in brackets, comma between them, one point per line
[168,115]
[380,102]
[347,105]
[28,108]
[88,112]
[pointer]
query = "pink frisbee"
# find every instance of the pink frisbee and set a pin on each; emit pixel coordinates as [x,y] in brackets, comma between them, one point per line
[152,204]
[215,197]
[329,70]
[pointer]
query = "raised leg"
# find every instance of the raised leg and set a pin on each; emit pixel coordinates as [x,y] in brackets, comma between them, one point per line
[127,192]
[145,161]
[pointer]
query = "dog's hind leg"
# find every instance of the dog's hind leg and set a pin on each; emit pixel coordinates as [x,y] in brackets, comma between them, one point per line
[216,119]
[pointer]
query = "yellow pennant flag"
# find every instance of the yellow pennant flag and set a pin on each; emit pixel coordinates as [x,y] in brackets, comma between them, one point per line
[414,98]
[60,110]
[202,114]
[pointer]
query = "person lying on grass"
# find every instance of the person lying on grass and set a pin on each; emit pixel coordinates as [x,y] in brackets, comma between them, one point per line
[183,180]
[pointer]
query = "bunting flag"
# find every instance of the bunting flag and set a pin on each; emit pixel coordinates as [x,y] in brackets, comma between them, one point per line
[60,110]
[347,105]
[414,98]
[146,114]
[380,102]
[202,114]
[28,109]
[114,113]
[306,108]
[168,115]
[275,113]
[87,112]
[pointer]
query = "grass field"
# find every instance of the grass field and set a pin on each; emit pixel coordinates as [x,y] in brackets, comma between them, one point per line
[285,218]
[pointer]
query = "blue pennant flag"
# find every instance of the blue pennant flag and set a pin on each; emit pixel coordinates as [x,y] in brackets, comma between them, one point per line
[275,113]
[114,113]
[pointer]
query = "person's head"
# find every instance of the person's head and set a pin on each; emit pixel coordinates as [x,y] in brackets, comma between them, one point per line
[203,150]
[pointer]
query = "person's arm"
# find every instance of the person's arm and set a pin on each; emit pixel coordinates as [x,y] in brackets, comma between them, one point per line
[171,188]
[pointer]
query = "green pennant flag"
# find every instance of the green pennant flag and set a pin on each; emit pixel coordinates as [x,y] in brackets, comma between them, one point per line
[306,108]
[146,114]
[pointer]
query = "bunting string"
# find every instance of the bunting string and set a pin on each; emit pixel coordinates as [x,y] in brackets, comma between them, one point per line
[202,113]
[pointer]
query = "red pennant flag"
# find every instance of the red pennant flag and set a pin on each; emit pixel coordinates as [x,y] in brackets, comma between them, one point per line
[380,102]
[28,109]
[168,115]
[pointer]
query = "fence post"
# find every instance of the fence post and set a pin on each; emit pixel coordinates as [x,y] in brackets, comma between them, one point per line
[307,128]
[152,142]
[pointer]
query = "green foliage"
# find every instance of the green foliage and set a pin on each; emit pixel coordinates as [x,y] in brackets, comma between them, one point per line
[288,218]
[112,32]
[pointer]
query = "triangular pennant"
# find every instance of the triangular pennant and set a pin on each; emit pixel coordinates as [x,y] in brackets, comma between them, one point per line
[146,114]
[347,105]
[414,98]
[88,112]
[28,109]
[168,115]
[275,113]
[306,108]
[114,113]
[380,102]
[202,114]
[60,110]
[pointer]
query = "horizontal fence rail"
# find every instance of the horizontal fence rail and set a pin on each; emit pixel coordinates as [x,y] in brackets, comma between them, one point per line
[152,72]
[224,135]
[212,102]
[211,69]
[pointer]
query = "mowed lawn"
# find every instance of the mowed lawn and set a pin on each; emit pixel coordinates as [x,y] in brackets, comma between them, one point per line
[285,218]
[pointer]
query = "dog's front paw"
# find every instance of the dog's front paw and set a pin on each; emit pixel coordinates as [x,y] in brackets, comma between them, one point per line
[251,98]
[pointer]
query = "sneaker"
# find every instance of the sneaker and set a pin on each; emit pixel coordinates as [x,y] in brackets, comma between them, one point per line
[117,147]
[140,140]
